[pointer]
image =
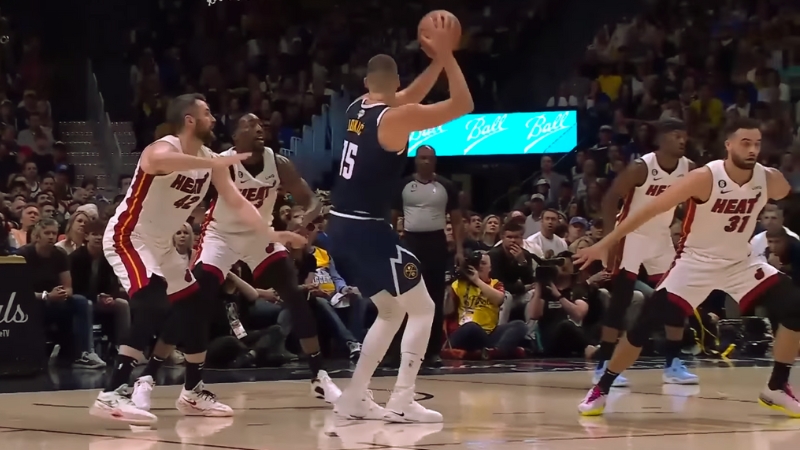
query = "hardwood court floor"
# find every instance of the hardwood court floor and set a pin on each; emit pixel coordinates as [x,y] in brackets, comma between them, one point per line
[482,411]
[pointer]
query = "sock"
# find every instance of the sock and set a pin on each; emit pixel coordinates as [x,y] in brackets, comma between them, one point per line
[315,364]
[672,351]
[412,349]
[780,376]
[604,353]
[123,366]
[194,375]
[376,343]
[606,381]
[152,366]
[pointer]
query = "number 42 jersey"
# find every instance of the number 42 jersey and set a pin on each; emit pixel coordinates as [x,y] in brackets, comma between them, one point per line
[368,174]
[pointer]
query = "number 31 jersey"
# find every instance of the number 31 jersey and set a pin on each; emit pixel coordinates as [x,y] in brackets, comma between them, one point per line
[261,190]
[719,229]
[156,206]
[368,175]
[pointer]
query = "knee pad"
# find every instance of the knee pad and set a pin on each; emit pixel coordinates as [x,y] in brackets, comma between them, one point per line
[656,311]
[783,303]
[621,296]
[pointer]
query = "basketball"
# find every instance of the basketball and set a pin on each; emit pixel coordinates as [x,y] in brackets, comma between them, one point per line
[436,19]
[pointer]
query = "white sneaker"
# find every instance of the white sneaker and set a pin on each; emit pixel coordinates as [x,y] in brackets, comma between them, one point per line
[782,400]
[403,409]
[594,404]
[352,408]
[116,405]
[323,388]
[141,392]
[89,361]
[200,402]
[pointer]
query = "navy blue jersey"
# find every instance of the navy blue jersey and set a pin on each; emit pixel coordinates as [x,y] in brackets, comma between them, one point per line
[368,174]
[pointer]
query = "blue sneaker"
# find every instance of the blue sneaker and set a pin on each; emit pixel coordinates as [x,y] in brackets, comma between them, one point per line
[620,382]
[677,373]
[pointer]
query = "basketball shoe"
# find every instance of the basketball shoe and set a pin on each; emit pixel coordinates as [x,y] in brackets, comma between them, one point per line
[364,408]
[619,382]
[116,405]
[782,400]
[402,408]
[323,388]
[677,373]
[594,403]
[200,402]
[142,389]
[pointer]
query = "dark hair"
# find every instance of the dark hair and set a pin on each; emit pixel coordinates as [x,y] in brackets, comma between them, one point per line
[597,223]
[551,210]
[30,205]
[89,180]
[779,233]
[472,214]
[740,123]
[49,175]
[122,177]
[29,161]
[94,227]
[381,63]
[48,203]
[513,226]
[180,107]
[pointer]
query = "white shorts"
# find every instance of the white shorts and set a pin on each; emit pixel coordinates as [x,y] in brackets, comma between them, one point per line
[135,259]
[690,280]
[655,253]
[222,250]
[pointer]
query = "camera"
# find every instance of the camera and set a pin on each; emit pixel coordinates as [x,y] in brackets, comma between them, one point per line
[546,270]
[472,260]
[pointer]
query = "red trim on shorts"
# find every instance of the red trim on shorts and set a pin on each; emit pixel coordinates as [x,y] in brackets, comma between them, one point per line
[126,222]
[653,280]
[682,303]
[619,251]
[686,228]
[215,270]
[267,261]
[203,228]
[183,293]
[747,300]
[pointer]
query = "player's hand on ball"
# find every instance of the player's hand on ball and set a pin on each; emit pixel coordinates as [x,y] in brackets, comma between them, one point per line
[291,239]
[229,160]
[437,40]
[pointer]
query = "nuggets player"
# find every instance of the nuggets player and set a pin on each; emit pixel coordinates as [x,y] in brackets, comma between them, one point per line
[649,246]
[172,176]
[224,240]
[373,161]
[723,199]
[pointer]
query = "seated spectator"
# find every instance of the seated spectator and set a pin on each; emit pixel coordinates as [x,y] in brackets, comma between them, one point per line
[783,253]
[52,283]
[772,221]
[474,229]
[559,312]
[533,222]
[27,219]
[74,234]
[48,210]
[93,278]
[28,137]
[564,198]
[477,299]
[512,265]
[546,243]
[490,235]
[590,205]
[6,241]
[30,171]
[578,226]
[184,241]
[596,230]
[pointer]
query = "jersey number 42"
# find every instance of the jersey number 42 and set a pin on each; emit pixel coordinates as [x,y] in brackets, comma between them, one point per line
[348,160]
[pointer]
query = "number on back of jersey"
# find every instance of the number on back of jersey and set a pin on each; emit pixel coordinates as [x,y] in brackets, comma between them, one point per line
[348,160]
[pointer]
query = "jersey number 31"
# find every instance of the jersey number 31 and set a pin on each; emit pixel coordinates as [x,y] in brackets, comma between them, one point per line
[349,153]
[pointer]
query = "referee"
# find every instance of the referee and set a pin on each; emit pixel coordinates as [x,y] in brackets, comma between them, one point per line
[424,200]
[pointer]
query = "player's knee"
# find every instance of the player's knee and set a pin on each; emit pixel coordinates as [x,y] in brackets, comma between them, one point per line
[656,311]
[783,302]
[208,277]
[417,301]
[621,297]
[150,303]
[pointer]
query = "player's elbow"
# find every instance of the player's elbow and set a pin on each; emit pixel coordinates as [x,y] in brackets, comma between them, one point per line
[464,105]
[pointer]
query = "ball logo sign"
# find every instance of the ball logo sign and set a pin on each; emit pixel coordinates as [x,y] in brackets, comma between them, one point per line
[11,314]
[501,134]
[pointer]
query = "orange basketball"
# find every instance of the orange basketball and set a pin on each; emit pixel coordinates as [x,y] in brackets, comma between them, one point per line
[437,19]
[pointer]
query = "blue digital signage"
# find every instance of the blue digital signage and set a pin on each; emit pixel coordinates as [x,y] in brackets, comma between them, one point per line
[501,134]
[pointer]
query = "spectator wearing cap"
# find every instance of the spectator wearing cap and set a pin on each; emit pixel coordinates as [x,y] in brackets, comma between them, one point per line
[424,200]
[546,243]
[554,179]
[543,187]
[533,222]
[578,226]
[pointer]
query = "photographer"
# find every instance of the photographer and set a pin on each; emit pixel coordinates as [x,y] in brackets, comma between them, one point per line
[559,310]
[512,265]
[478,299]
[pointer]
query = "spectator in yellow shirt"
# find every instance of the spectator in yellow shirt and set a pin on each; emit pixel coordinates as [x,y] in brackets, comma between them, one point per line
[609,82]
[709,109]
[477,299]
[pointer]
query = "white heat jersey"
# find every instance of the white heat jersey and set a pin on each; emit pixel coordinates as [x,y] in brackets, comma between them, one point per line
[261,190]
[720,229]
[657,182]
[156,206]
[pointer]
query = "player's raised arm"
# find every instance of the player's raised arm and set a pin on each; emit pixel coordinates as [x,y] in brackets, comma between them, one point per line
[422,85]
[777,186]
[299,188]
[633,176]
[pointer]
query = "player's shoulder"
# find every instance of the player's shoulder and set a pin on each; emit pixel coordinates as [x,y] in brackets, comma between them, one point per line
[228,152]
[167,143]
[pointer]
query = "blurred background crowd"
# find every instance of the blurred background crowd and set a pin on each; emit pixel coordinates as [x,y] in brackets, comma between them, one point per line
[703,62]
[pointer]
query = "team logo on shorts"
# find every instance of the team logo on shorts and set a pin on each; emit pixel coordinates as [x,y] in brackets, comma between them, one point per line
[410,271]
[759,274]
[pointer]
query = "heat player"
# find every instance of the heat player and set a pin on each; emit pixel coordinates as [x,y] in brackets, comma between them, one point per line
[649,246]
[362,240]
[172,177]
[723,199]
[224,240]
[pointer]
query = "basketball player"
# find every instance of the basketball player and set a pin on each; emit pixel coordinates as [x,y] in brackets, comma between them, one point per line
[649,246]
[378,127]
[172,176]
[724,200]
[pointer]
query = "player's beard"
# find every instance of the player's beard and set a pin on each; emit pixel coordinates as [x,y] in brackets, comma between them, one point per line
[205,136]
[741,163]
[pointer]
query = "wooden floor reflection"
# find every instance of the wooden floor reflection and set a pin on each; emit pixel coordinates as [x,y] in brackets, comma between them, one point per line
[484,411]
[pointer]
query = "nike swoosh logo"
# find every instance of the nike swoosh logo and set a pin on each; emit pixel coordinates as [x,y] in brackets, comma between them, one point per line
[399,414]
[191,402]
[725,192]
[242,181]
[656,179]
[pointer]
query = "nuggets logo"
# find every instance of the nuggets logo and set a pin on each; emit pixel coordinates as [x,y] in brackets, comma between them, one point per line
[410,271]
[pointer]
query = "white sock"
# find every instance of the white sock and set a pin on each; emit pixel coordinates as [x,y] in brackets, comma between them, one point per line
[419,306]
[377,342]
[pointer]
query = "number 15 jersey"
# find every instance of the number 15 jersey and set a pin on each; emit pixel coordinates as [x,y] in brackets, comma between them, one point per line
[720,229]
[368,174]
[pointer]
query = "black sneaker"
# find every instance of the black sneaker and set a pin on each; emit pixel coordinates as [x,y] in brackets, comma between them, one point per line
[433,361]
[355,350]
